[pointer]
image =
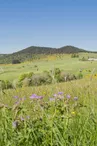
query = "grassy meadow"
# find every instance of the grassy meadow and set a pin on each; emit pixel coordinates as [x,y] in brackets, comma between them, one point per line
[64,62]
[58,114]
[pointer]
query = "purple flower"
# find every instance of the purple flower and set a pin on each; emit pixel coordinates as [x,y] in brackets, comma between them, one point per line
[68,96]
[75,98]
[33,96]
[55,95]
[60,93]
[39,97]
[15,97]
[17,102]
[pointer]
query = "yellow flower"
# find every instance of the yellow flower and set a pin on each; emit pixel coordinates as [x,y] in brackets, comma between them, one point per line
[17,90]
[73,113]
[44,92]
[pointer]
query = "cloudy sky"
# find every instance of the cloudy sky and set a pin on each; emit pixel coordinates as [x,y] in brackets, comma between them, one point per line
[53,23]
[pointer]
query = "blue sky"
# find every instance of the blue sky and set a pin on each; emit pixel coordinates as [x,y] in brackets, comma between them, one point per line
[53,23]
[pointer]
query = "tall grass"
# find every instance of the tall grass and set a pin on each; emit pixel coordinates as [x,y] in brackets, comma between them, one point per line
[62,114]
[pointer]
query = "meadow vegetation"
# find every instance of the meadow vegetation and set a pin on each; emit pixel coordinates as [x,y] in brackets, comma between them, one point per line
[45,109]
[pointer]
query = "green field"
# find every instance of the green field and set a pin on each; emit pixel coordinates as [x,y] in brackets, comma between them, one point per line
[58,114]
[64,62]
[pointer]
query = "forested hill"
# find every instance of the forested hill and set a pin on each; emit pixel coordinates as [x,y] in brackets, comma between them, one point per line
[29,53]
[48,50]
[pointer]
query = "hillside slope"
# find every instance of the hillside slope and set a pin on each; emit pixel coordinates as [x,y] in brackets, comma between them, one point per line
[28,53]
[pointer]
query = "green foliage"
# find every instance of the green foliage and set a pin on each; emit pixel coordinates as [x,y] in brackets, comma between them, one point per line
[31,79]
[80,75]
[30,74]
[15,62]
[57,74]
[41,79]
[75,55]
[83,59]
[5,84]
[26,82]
[23,76]
[2,85]
[67,77]
[8,84]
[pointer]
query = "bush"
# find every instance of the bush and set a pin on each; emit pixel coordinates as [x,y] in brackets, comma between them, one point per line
[55,73]
[22,77]
[40,79]
[83,59]
[2,85]
[67,77]
[25,75]
[8,84]
[29,75]
[15,62]
[80,75]
[74,55]
[26,82]
[5,85]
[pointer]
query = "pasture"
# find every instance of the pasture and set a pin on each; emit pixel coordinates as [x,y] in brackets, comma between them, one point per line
[64,62]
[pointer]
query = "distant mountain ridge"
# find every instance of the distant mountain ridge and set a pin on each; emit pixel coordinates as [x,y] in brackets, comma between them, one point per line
[46,50]
[28,53]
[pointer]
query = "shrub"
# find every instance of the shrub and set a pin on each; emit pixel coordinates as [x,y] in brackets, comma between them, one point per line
[67,77]
[40,79]
[5,85]
[29,75]
[15,62]
[55,73]
[8,84]
[74,55]
[80,75]
[2,85]
[26,82]
[83,59]
[22,77]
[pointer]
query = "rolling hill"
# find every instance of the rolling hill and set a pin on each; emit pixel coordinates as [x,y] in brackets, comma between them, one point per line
[30,52]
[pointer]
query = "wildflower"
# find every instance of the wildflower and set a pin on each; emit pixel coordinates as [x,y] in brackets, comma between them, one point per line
[33,96]
[68,96]
[73,113]
[17,90]
[17,102]
[60,93]
[15,97]
[39,97]
[44,92]
[55,95]
[75,98]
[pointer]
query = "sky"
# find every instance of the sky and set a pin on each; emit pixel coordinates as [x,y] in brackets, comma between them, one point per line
[49,23]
